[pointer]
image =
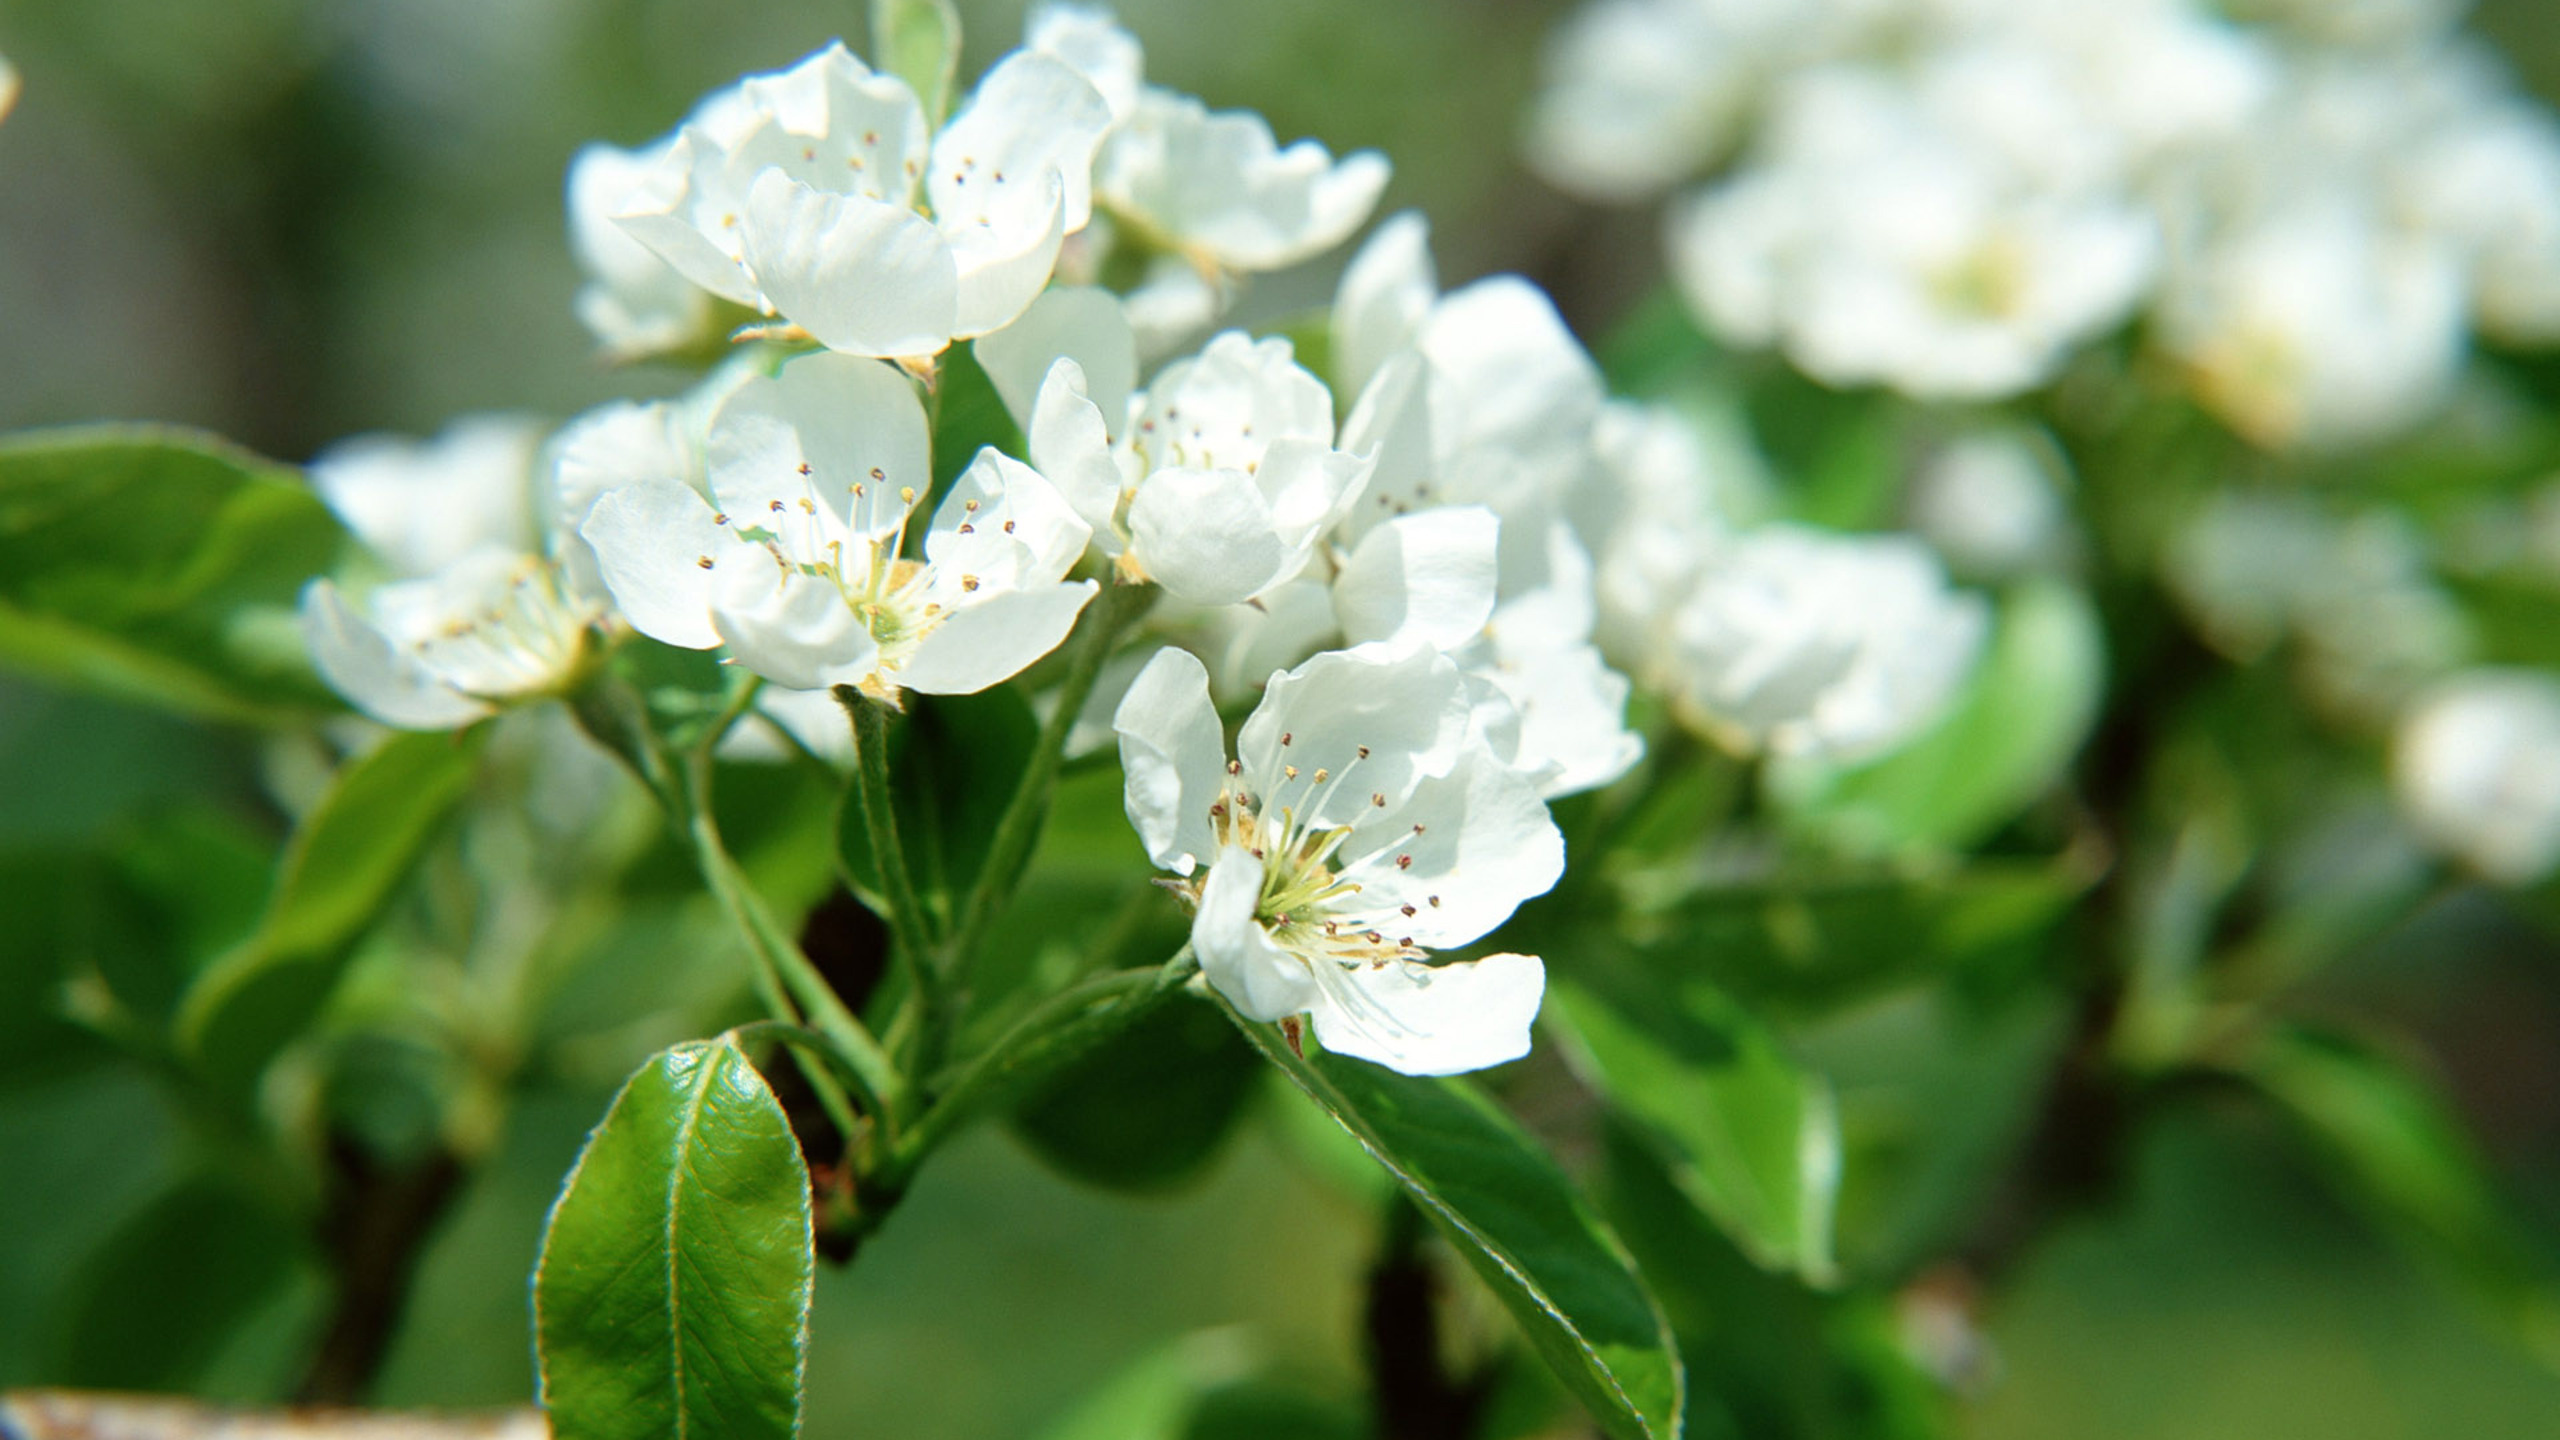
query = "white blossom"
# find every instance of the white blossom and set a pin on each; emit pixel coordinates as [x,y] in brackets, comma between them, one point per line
[1805,643]
[421,505]
[1362,825]
[1216,482]
[1216,187]
[480,615]
[794,563]
[2477,770]
[802,194]
[634,302]
[1875,247]
[1992,502]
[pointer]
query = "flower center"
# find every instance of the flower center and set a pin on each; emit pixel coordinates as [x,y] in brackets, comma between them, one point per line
[1312,903]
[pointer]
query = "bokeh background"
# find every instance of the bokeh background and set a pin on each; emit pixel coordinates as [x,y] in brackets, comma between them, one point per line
[293,220]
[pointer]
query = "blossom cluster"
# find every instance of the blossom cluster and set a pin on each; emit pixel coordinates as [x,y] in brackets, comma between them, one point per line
[1433,568]
[2314,206]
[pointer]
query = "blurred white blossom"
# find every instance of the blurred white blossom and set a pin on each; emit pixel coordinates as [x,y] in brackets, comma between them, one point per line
[2477,770]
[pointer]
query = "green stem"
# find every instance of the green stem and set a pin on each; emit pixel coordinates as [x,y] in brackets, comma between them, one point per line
[873,796]
[885,1091]
[1056,1031]
[616,716]
[1096,633]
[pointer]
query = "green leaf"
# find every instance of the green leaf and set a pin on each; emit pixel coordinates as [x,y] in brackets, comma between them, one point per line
[2400,1151]
[160,565]
[163,1293]
[2008,738]
[1767,1357]
[919,42]
[1149,1110]
[1508,1209]
[1751,1138]
[954,761]
[1803,948]
[672,1296]
[344,865]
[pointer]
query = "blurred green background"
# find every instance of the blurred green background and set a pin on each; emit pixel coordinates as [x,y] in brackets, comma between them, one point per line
[290,220]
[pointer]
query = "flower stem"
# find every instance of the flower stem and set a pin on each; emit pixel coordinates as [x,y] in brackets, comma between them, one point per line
[872,795]
[614,714]
[1111,613]
[1056,1031]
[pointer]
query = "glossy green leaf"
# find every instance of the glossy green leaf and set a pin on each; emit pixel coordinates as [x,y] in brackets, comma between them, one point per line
[672,1296]
[344,865]
[2402,1154]
[919,42]
[954,761]
[1150,1109]
[159,565]
[2009,737]
[1511,1213]
[1768,1357]
[160,1297]
[1751,1138]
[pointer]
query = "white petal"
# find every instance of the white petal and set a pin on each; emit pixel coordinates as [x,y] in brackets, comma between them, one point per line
[1018,526]
[650,541]
[815,430]
[1310,487]
[1005,257]
[360,663]
[994,640]
[1175,757]
[802,635]
[1378,308]
[1260,979]
[1206,535]
[1071,446]
[684,184]
[1031,116]
[1480,842]
[1407,712]
[1421,579]
[1220,185]
[863,276]
[1081,322]
[1434,1020]
[1391,423]
[422,504]
[1084,37]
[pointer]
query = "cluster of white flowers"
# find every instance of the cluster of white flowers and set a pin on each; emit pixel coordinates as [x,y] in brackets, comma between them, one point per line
[2477,769]
[2318,204]
[826,199]
[1407,567]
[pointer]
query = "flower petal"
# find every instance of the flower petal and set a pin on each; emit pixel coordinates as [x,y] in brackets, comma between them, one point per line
[1082,322]
[650,541]
[1421,579]
[1462,850]
[1071,445]
[994,640]
[1206,535]
[1032,115]
[863,276]
[802,635]
[1175,758]
[360,663]
[838,431]
[1260,979]
[1437,1019]
[1372,719]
